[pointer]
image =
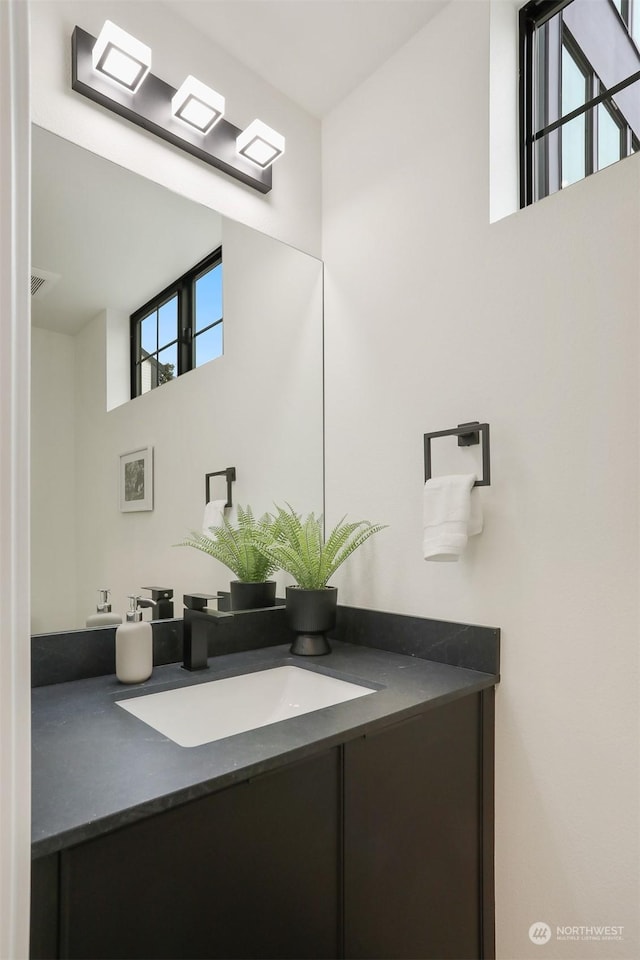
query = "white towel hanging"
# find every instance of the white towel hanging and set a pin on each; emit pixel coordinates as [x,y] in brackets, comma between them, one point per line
[452,514]
[213,515]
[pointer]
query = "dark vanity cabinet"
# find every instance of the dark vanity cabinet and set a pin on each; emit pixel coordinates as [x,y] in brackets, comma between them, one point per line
[418,836]
[250,871]
[378,848]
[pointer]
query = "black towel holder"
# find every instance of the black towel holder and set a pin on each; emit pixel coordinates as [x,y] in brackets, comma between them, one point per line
[230,474]
[466,438]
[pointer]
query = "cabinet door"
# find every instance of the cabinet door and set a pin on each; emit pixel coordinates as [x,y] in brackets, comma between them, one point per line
[251,871]
[43,941]
[413,838]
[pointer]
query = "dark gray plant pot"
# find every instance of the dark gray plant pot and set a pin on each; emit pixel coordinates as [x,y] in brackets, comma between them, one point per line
[252,596]
[311,614]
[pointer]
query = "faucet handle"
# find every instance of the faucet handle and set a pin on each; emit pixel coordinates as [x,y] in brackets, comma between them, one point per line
[197,601]
[160,593]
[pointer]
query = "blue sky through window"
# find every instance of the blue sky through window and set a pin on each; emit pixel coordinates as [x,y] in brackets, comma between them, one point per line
[209,298]
[168,322]
[208,345]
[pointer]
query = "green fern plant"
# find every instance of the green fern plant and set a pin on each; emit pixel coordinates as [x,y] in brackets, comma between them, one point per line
[297,546]
[236,546]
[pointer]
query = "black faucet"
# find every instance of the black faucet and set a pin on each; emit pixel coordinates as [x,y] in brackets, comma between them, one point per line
[161,603]
[195,646]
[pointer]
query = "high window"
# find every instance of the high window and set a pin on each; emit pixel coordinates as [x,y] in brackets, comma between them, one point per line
[579,90]
[180,328]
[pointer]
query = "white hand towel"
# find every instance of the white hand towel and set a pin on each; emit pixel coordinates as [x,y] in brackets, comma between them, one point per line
[452,514]
[213,515]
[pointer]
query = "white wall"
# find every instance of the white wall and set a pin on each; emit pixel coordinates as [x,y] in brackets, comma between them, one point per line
[258,408]
[290,212]
[53,480]
[434,316]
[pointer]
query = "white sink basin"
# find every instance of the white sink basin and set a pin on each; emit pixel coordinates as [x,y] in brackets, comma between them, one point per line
[210,711]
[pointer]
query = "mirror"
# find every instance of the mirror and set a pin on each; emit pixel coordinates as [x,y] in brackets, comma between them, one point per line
[108,240]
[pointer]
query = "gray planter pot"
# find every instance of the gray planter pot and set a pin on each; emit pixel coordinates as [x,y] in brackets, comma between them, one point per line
[311,614]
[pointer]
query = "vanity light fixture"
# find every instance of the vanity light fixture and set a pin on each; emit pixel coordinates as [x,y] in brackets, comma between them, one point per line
[260,144]
[121,57]
[110,71]
[198,105]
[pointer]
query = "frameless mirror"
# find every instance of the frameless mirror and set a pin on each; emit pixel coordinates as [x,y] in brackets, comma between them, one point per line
[104,242]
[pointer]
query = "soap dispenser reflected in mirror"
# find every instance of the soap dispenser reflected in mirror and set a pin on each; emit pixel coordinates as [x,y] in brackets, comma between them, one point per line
[103,617]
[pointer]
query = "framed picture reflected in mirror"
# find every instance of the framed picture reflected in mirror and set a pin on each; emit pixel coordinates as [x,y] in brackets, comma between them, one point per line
[136,480]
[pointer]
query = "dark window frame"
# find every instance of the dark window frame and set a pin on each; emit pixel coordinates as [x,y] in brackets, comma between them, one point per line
[184,289]
[624,12]
[592,83]
[532,17]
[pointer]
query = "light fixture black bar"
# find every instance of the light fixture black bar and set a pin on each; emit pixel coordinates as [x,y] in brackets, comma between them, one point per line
[150,108]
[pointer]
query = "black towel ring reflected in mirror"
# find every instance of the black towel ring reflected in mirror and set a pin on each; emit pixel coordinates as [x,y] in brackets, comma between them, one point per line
[230,474]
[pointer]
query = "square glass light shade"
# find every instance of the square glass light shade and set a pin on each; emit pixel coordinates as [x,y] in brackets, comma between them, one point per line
[197,105]
[260,144]
[121,57]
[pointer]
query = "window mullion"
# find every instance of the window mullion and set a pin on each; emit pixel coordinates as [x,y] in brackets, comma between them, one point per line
[216,323]
[607,95]
[553,148]
[135,335]
[591,128]
[526,96]
[185,333]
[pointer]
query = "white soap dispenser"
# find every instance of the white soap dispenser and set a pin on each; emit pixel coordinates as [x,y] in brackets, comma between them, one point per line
[134,647]
[103,616]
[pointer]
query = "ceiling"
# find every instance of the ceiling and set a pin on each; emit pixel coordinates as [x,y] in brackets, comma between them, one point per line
[314,51]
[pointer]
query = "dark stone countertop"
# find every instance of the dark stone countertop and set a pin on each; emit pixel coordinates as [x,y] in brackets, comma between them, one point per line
[96,767]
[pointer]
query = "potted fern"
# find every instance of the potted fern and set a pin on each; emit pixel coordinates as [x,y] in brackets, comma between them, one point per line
[297,546]
[236,546]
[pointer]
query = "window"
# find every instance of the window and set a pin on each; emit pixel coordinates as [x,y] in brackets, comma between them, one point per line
[180,329]
[630,14]
[579,90]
